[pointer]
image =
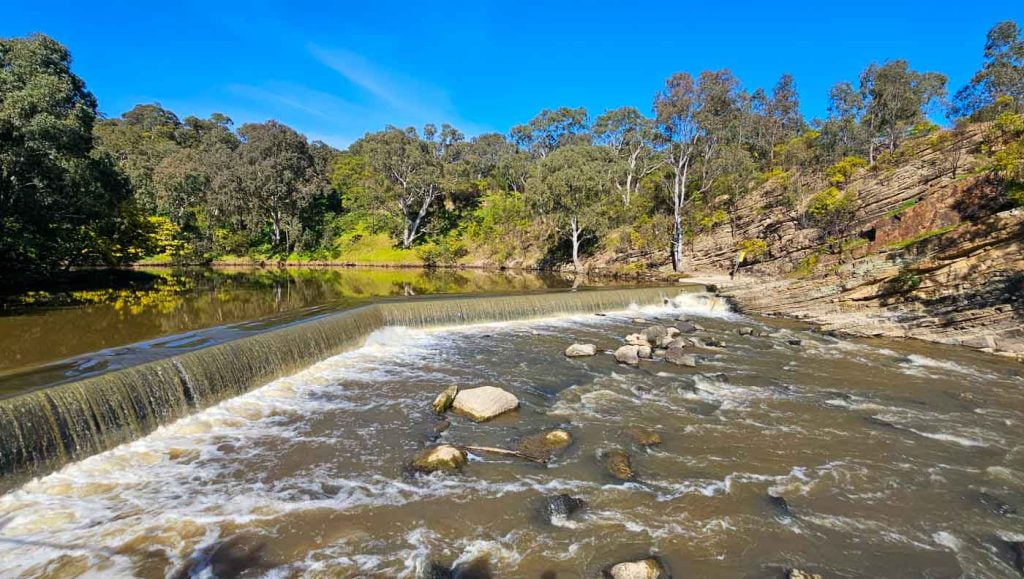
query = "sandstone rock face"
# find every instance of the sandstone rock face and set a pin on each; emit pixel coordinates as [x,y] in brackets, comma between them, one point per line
[644,569]
[484,403]
[444,400]
[579,350]
[440,458]
[628,355]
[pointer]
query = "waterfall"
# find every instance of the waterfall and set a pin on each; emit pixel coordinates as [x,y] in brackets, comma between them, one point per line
[43,429]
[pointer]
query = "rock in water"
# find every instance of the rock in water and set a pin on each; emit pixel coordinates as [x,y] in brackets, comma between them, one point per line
[561,507]
[687,327]
[794,341]
[643,569]
[578,350]
[444,400]
[653,333]
[644,352]
[636,340]
[745,331]
[628,355]
[644,437]
[619,465]
[484,403]
[798,574]
[678,357]
[444,457]
[544,445]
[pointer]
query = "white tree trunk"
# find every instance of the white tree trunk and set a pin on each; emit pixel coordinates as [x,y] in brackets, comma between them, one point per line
[576,230]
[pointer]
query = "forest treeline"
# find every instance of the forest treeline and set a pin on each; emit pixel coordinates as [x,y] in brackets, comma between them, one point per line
[78,189]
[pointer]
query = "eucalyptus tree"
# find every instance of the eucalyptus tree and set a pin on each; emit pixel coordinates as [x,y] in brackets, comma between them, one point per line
[570,185]
[777,117]
[676,112]
[842,133]
[409,174]
[895,99]
[630,135]
[552,129]
[1001,75]
[273,178]
[62,203]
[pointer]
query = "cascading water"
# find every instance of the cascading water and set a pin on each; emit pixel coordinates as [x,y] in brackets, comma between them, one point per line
[46,428]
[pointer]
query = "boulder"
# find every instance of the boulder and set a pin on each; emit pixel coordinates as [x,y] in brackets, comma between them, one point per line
[644,352]
[444,457]
[680,343]
[652,333]
[484,403]
[798,574]
[628,355]
[644,437]
[664,341]
[687,327]
[561,507]
[672,331]
[441,426]
[636,340]
[794,341]
[578,350]
[745,331]
[444,400]
[639,321]
[544,445]
[679,357]
[619,465]
[643,569]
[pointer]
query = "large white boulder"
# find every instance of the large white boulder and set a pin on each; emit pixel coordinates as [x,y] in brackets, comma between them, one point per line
[578,350]
[484,403]
[645,569]
[628,355]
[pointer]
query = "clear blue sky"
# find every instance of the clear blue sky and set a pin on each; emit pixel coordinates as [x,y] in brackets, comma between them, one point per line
[335,70]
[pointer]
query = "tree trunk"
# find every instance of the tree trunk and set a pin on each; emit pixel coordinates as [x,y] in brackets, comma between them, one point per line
[575,244]
[678,198]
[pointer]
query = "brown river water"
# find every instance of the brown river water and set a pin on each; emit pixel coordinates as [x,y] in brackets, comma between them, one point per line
[845,458]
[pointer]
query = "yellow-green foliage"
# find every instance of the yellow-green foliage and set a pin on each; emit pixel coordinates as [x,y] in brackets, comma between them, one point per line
[923,128]
[844,169]
[361,246]
[446,251]
[901,208]
[830,204]
[806,265]
[1009,123]
[1009,162]
[905,243]
[753,248]
[853,243]
[710,220]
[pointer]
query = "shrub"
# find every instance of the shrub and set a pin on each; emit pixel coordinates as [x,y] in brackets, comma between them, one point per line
[832,211]
[923,129]
[443,252]
[1009,123]
[844,169]
[753,248]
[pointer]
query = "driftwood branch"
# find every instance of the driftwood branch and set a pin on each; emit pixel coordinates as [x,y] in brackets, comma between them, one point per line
[503,452]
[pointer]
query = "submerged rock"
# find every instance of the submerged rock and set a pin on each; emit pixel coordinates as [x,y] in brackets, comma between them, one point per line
[544,445]
[562,507]
[798,574]
[642,569]
[678,357]
[1015,550]
[579,350]
[745,331]
[619,465]
[484,403]
[639,321]
[644,437]
[794,341]
[780,508]
[444,400]
[628,355]
[444,457]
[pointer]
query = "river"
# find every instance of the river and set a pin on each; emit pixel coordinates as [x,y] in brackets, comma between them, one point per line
[781,449]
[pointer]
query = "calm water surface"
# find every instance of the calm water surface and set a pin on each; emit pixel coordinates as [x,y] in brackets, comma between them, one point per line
[851,459]
[162,311]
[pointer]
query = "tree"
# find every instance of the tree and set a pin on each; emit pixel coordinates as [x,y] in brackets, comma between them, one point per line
[630,135]
[1001,75]
[550,130]
[570,185]
[777,117]
[61,202]
[676,111]
[842,134]
[895,99]
[408,173]
[272,179]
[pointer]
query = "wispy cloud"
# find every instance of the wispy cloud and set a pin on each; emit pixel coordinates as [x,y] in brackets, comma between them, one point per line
[399,98]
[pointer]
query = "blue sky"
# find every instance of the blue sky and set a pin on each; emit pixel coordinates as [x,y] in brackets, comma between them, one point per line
[335,70]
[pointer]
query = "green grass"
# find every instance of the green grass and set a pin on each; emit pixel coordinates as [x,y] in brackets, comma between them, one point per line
[903,244]
[373,248]
[901,208]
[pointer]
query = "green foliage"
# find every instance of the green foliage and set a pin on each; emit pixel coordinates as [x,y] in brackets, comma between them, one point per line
[923,129]
[903,282]
[1008,163]
[831,211]
[901,208]
[806,266]
[905,243]
[446,252]
[1014,191]
[1009,123]
[841,172]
